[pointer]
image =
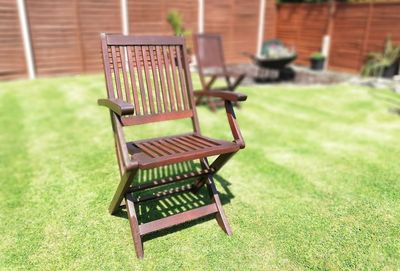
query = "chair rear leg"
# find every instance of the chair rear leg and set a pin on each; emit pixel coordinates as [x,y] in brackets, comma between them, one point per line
[133,221]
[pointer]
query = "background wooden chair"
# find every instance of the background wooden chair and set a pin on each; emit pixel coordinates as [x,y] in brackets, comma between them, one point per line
[148,80]
[211,63]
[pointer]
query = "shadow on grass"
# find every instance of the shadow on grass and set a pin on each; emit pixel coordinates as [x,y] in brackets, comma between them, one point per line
[176,203]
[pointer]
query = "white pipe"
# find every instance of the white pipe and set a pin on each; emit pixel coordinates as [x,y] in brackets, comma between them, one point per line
[260,34]
[200,16]
[23,19]
[124,16]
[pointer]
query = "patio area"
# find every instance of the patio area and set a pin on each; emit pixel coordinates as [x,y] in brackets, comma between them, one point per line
[320,188]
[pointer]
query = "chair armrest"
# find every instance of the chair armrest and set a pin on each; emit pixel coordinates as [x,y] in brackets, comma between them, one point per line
[223,94]
[237,135]
[118,106]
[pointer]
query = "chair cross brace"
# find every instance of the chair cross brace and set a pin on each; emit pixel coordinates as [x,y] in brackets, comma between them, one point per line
[206,179]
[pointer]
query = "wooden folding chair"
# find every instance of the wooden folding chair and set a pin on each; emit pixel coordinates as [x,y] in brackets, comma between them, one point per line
[211,63]
[148,80]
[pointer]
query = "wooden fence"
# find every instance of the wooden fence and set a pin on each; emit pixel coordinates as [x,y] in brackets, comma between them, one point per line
[237,22]
[357,29]
[65,33]
[12,63]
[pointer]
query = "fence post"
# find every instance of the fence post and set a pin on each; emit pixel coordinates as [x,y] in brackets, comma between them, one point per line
[124,17]
[261,23]
[327,39]
[26,39]
[200,16]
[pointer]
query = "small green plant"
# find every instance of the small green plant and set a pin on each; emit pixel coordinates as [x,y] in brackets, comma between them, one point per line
[376,62]
[174,18]
[317,56]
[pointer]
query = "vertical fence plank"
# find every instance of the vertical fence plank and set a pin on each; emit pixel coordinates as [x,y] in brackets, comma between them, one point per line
[12,64]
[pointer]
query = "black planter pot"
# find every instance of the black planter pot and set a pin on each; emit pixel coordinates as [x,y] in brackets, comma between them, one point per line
[390,71]
[317,64]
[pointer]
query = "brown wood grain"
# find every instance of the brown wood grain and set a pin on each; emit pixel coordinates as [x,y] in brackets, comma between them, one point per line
[237,22]
[357,29]
[12,64]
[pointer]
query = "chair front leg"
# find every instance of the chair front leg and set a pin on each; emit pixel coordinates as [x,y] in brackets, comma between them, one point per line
[212,190]
[220,215]
[122,188]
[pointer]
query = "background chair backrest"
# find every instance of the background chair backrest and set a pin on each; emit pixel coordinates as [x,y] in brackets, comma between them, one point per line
[151,73]
[209,51]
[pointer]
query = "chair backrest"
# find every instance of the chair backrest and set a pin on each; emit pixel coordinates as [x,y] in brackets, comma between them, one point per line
[151,73]
[209,51]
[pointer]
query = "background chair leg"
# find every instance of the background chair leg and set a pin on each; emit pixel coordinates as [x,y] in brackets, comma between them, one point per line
[133,221]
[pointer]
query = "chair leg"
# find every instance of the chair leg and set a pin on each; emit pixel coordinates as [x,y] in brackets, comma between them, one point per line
[133,221]
[123,186]
[220,215]
[212,190]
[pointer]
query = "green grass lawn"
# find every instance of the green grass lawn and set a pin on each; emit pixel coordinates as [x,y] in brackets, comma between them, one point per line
[317,186]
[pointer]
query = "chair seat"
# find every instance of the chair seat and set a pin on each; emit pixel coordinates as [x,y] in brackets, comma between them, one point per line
[155,152]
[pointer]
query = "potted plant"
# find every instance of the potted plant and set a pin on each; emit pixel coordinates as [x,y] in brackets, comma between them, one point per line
[383,64]
[317,61]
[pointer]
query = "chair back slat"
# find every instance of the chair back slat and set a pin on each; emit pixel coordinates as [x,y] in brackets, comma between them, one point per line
[116,62]
[182,79]
[125,74]
[133,77]
[162,79]
[149,89]
[142,91]
[152,74]
[155,74]
[174,78]
[168,78]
